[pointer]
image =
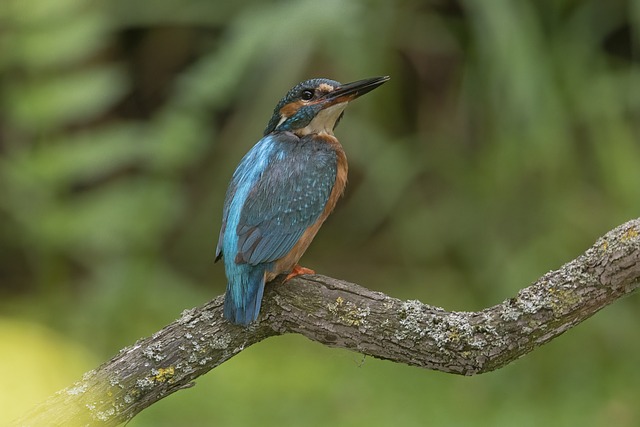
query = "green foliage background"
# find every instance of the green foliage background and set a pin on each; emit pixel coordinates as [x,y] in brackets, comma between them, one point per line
[506,142]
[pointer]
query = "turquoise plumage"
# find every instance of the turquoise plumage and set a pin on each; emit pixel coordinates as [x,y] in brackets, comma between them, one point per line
[283,190]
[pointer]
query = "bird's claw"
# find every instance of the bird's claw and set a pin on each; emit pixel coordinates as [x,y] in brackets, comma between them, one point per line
[298,270]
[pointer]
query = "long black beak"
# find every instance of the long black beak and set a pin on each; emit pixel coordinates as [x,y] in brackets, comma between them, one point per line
[350,91]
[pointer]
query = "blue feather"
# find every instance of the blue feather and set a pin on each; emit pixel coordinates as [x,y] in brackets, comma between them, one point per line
[244,294]
[279,190]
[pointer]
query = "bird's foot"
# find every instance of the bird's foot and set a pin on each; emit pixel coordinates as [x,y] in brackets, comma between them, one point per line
[298,270]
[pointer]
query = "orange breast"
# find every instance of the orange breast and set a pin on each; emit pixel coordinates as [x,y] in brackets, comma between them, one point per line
[286,263]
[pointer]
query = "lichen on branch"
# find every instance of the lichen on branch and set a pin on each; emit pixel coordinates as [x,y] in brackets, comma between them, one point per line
[346,315]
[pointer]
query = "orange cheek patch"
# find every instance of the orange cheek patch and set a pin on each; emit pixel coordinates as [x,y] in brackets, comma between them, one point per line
[290,109]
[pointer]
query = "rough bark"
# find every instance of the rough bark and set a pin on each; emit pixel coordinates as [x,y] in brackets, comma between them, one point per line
[341,314]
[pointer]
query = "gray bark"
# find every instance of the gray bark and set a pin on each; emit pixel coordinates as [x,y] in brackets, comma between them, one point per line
[341,314]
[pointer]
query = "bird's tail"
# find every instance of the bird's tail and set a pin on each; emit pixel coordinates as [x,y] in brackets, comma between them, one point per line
[244,295]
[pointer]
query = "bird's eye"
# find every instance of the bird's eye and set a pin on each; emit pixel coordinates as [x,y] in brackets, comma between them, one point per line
[306,95]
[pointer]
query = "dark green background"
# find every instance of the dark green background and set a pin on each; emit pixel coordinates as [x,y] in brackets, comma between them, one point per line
[505,143]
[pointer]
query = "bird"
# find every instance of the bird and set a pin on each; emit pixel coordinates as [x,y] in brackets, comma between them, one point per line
[283,190]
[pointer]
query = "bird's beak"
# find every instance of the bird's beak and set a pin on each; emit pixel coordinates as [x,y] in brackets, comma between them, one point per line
[350,91]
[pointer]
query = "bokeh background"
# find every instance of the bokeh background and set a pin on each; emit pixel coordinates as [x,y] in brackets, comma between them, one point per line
[506,142]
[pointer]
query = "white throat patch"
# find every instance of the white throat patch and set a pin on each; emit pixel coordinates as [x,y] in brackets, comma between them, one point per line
[324,121]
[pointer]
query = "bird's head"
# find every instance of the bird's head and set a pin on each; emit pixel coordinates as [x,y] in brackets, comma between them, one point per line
[316,105]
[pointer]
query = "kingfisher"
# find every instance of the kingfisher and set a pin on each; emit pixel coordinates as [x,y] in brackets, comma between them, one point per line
[282,191]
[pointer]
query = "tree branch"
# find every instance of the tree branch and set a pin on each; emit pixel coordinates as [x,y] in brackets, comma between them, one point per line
[341,314]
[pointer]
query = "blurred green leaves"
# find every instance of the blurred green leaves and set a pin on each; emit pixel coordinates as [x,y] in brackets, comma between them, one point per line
[70,98]
[505,143]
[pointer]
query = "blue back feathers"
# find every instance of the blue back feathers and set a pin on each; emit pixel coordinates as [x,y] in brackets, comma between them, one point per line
[279,189]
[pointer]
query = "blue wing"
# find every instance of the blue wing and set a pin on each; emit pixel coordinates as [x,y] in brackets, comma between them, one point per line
[225,214]
[279,189]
